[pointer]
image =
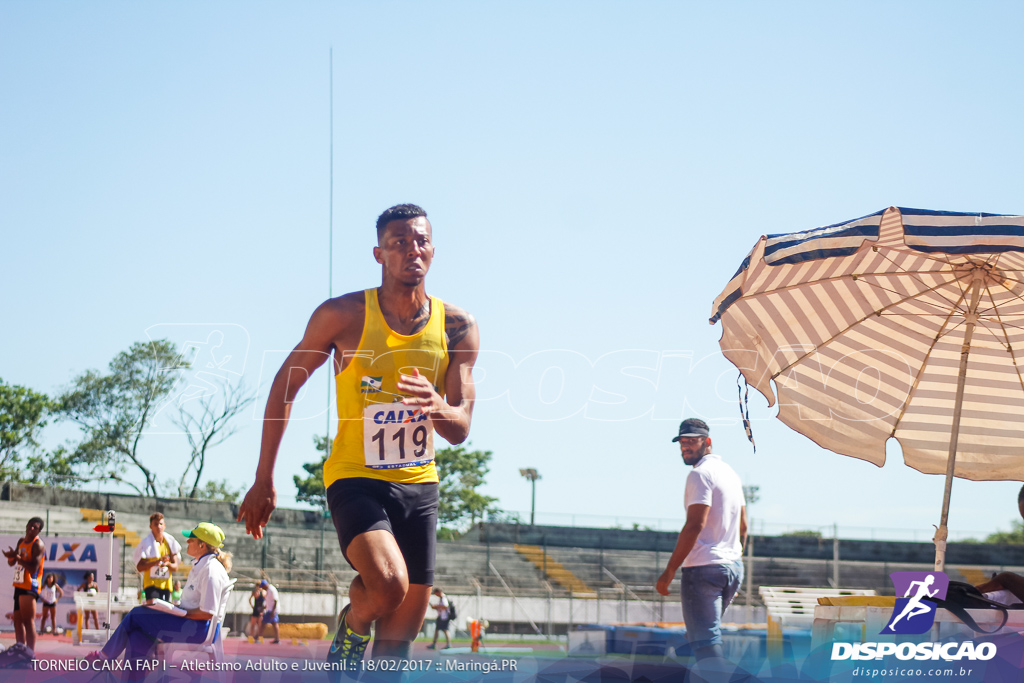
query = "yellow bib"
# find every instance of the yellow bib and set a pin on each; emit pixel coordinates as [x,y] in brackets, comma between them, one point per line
[379,437]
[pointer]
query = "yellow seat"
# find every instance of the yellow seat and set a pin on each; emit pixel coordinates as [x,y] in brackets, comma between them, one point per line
[858,600]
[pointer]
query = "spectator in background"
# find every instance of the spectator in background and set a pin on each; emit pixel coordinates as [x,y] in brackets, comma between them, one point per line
[49,594]
[270,613]
[90,587]
[156,557]
[443,618]
[258,602]
[176,593]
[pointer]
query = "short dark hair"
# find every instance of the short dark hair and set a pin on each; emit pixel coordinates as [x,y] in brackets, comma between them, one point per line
[398,212]
[1020,496]
[155,517]
[37,520]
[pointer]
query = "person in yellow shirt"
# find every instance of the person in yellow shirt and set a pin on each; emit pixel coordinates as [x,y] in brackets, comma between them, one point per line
[403,364]
[156,557]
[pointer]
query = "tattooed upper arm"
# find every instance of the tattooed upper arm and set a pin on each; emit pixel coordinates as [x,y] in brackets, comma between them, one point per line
[457,324]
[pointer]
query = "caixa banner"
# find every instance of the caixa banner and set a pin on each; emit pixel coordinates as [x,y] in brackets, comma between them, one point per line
[69,559]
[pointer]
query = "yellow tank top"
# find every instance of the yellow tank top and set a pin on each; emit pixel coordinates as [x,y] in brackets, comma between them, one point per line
[159,576]
[379,437]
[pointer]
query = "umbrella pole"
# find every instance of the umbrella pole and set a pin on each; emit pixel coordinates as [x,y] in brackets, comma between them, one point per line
[942,533]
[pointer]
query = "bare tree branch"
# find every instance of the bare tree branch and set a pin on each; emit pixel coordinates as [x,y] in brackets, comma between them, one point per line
[206,422]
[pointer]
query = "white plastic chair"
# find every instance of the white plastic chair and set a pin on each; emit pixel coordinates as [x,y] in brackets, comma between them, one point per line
[212,648]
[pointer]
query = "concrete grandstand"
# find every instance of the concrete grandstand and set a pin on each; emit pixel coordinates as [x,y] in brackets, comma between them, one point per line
[523,579]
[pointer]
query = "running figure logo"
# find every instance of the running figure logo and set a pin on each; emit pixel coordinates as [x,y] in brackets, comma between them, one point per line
[913,614]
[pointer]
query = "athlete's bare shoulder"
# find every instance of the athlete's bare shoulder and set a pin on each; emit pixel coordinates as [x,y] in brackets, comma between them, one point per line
[342,311]
[458,325]
[337,322]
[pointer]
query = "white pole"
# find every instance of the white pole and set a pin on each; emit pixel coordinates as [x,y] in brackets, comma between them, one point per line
[942,533]
[750,571]
[110,570]
[835,555]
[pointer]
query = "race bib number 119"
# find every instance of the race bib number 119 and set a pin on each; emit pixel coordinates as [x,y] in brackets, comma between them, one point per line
[396,436]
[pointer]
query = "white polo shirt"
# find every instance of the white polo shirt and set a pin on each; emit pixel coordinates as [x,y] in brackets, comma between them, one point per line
[205,585]
[715,484]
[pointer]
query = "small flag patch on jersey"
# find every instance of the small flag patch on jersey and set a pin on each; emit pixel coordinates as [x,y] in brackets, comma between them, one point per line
[371,385]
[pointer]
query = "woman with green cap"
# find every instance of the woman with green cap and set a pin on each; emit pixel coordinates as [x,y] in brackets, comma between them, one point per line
[141,629]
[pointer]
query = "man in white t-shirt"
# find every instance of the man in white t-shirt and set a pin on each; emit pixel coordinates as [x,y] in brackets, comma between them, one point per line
[710,546]
[443,617]
[270,615]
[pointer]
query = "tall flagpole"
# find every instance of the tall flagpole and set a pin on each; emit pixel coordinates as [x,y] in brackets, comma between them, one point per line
[330,248]
[330,291]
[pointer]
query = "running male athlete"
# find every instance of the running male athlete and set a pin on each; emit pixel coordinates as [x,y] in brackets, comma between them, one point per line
[403,364]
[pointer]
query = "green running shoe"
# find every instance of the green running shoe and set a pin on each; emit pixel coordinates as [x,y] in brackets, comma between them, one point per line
[347,649]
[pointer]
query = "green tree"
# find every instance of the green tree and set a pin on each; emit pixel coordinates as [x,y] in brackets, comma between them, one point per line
[311,488]
[114,409]
[219,490]
[1014,535]
[56,468]
[804,533]
[23,414]
[460,471]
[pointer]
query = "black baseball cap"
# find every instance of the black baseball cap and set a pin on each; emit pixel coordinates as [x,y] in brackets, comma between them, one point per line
[692,427]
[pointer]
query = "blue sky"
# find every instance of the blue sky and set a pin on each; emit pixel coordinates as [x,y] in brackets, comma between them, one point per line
[594,173]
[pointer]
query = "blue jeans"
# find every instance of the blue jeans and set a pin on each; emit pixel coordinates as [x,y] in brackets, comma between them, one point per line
[706,591]
[139,631]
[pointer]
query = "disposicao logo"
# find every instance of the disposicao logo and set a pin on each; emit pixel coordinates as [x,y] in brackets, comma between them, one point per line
[913,614]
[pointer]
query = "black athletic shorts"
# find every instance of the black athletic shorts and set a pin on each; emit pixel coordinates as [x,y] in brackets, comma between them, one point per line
[18,592]
[158,593]
[407,511]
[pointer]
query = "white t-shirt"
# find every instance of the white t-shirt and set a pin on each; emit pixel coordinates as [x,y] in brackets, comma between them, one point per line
[442,602]
[715,484]
[205,585]
[271,598]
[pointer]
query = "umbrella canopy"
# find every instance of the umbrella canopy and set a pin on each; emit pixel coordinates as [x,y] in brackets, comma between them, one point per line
[905,324]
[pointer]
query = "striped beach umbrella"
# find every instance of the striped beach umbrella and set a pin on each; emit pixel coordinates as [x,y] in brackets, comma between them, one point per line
[904,324]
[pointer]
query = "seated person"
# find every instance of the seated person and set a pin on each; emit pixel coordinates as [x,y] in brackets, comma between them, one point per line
[1007,581]
[144,626]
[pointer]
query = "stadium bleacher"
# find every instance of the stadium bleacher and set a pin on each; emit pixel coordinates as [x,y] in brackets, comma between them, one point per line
[490,579]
